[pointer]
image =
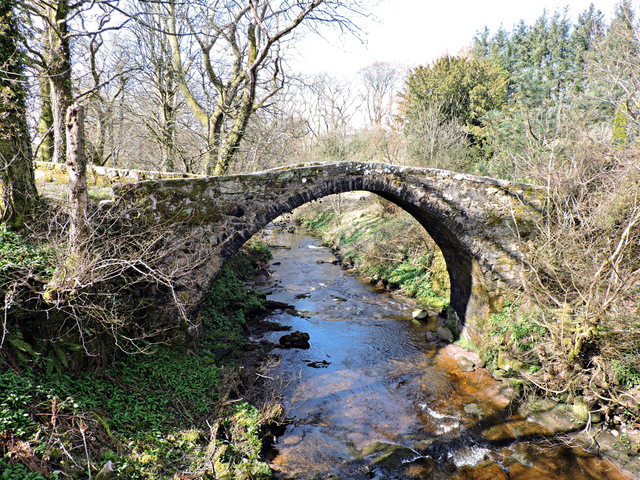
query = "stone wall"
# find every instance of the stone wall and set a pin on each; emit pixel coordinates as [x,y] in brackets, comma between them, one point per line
[100,176]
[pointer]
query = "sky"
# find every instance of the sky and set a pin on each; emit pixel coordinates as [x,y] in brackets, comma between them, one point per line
[417,32]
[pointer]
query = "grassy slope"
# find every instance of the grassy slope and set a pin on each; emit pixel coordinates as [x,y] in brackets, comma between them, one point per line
[364,230]
[171,411]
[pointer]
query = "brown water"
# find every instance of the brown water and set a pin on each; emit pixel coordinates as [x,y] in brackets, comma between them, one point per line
[371,399]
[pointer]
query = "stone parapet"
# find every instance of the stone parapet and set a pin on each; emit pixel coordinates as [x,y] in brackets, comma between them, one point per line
[101,176]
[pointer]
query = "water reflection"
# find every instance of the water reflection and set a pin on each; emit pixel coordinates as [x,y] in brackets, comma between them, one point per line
[372,399]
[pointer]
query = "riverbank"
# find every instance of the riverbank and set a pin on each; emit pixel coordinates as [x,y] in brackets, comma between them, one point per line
[356,225]
[184,411]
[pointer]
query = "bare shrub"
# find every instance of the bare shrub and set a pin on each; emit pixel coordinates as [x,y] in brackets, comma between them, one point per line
[111,292]
[584,278]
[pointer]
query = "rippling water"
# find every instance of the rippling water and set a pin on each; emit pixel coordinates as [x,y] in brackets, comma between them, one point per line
[372,399]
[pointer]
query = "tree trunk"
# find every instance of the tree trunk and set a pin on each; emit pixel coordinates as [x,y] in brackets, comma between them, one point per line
[168,131]
[17,182]
[59,73]
[77,163]
[45,125]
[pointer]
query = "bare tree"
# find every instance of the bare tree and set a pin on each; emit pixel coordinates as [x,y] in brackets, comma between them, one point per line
[109,69]
[54,24]
[275,136]
[435,141]
[229,63]
[157,104]
[380,81]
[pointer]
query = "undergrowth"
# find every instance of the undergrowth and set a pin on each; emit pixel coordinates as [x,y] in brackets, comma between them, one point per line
[173,412]
[367,239]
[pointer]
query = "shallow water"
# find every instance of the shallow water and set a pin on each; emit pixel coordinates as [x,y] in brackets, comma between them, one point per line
[372,398]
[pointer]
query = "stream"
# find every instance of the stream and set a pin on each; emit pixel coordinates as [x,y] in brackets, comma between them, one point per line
[373,399]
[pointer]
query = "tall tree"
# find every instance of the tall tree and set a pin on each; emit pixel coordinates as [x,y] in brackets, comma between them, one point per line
[615,73]
[464,89]
[55,23]
[17,183]
[380,81]
[158,79]
[233,63]
[55,64]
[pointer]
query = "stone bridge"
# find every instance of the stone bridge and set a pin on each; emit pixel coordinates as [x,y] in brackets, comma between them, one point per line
[479,223]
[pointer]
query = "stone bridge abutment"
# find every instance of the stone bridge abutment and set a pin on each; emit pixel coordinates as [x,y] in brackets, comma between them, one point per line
[479,223]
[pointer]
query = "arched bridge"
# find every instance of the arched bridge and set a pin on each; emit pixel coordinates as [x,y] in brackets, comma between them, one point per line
[479,223]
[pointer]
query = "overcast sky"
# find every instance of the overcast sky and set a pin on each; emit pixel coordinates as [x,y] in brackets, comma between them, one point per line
[417,32]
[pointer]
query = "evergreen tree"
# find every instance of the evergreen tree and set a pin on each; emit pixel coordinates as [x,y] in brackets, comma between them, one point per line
[464,90]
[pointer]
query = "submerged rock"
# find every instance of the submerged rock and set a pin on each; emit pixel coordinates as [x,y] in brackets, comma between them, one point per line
[295,340]
[274,305]
[465,364]
[473,409]
[445,334]
[275,326]
[394,458]
[319,364]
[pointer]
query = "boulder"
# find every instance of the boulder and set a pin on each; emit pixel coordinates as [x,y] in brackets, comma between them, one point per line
[473,409]
[420,314]
[444,334]
[465,364]
[295,340]
[507,363]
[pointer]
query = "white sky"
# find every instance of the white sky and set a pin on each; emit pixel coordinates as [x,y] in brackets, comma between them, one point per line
[417,32]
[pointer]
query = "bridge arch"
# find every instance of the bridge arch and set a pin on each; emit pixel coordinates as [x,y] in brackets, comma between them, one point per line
[469,293]
[477,222]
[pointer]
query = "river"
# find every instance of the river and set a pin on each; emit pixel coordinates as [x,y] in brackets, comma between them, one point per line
[372,399]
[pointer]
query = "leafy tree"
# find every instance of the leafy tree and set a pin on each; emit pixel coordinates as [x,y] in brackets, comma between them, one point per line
[463,89]
[614,70]
[17,183]
[546,65]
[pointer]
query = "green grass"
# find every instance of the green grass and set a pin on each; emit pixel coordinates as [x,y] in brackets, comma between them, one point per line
[370,242]
[151,414]
[20,257]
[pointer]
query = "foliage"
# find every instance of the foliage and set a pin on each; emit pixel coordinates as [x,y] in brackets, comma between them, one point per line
[154,415]
[18,472]
[516,328]
[228,303]
[18,256]
[17,182]
[463,89]
[238,455]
